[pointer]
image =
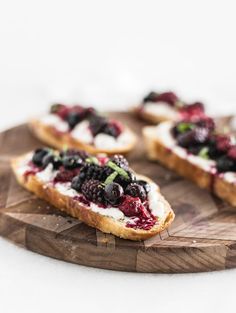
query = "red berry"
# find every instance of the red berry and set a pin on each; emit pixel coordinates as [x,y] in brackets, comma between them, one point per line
[232,153]
[64,176]
[133,207]
[168,97]
[193,112]
[223,143]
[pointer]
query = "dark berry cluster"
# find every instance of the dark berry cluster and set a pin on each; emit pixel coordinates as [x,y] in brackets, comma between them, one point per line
[199,138]
[76,114]
[108,182]
[167,97]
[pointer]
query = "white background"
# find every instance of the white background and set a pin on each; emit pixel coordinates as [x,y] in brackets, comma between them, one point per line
[109,54]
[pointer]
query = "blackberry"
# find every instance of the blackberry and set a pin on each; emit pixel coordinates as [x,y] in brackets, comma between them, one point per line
[93,190]
[225,164]
[72,162]
[195,149]
[137,191]
[97,123]
[39,155]
[196,136]
[113,193]
[111,129]
[120,161]
[55,160]
[91,171]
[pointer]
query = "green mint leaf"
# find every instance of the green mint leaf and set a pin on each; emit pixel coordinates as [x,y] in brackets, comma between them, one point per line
[183,127]
[118,169]
[203,153]
[92,160]
[110,178]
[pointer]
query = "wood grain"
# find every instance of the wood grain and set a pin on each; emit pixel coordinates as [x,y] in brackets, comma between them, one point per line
[202,238]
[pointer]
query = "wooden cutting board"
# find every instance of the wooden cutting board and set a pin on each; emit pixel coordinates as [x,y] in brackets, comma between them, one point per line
[202,237]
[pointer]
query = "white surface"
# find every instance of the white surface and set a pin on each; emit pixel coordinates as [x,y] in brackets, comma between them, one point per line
[110,53]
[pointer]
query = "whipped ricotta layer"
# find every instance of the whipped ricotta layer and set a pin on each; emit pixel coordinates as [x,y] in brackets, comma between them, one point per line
[230,177]
[162,109]
[56,122]
[47,175]
[156,203]
[107,142]
[83,133]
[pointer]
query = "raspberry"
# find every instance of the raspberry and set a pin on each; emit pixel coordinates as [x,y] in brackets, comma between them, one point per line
[113,193]
[137,191]
[63,111]
[168,97]
[93,190]
[232,153]
[131,206]
[192,112]
[196,136]
[223,143]
[120,161]
[65,176]
[206,122]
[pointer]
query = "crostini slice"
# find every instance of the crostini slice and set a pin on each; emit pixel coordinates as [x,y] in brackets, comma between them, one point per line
[102,192]
[165,106]
[196,151]
[82,128]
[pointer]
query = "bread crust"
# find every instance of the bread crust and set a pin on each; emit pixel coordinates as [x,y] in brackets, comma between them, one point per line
[85,214]
[148,117]
[206,180]
[50,136]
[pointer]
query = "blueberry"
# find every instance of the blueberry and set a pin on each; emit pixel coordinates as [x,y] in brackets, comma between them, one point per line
[145,185]
[77,182]
[39,155]
[198,135]
[73,119]
[136,190]
[53,159]
[113,193]
[72,162]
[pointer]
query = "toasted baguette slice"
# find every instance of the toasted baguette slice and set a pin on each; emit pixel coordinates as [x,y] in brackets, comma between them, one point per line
[194,168]
[49,135]
[78,210]
[154,118]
